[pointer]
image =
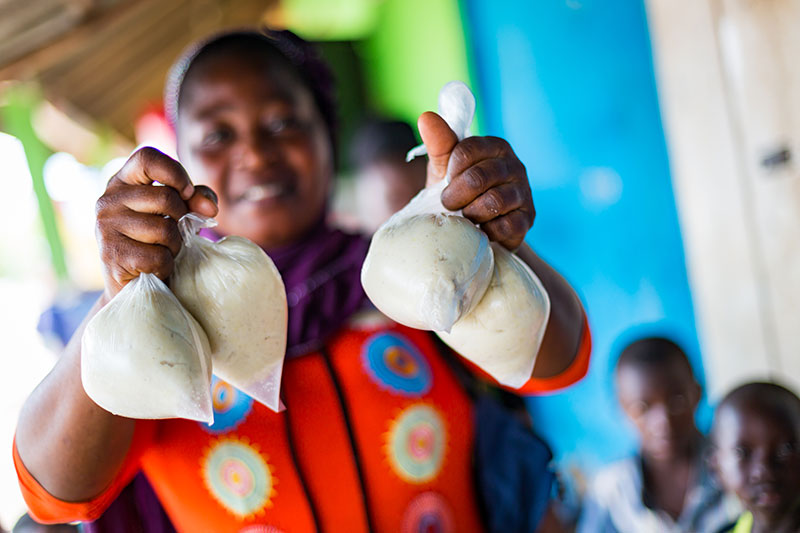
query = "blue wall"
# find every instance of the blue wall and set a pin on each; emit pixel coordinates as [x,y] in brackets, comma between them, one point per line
[570,84]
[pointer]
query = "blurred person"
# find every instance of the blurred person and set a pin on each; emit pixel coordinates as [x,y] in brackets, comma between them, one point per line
[384,181]
[256,130]
[666,486]
[58,322]
[756,440]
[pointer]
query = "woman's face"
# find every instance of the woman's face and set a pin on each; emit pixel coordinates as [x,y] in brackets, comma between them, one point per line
[249,129]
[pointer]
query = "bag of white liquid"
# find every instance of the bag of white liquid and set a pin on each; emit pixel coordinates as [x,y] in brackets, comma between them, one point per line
[144,356]
[235,291]
[427,266]
[504,332]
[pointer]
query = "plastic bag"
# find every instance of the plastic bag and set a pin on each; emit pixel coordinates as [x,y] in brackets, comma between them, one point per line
[144,356]
[502,335]
[236,293]
[457,108]
[430,268]
[427,266]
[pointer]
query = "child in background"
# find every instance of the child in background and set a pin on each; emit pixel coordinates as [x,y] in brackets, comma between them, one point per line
[666,486]
[756,438]
[385,182]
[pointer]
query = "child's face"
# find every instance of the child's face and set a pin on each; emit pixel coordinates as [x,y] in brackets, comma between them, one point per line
[250,130]
[385,187]
[757,457]
[660,401]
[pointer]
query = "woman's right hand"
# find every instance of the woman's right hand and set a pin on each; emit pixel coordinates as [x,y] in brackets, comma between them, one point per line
[138,232]
[137,222]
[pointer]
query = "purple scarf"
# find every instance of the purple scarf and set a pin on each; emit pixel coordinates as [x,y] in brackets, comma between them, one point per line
[323,290]
[322,275]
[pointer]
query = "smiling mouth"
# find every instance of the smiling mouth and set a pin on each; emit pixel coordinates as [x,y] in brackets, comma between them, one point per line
[264,191]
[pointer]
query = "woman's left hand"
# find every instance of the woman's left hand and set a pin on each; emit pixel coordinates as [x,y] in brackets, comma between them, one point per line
[487,180]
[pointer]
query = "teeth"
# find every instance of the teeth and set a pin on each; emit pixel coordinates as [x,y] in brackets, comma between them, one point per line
[262,192]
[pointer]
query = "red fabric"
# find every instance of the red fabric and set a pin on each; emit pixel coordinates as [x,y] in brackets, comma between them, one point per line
[195,469]
[274,460]
[323,443]
[179,467]
[379,412]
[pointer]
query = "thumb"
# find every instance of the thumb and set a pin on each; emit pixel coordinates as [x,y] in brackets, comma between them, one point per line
[204,201]
[439,140]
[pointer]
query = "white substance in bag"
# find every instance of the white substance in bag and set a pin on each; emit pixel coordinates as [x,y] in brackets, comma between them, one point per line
[427,266]
[144,356]
[235,291]
[502,335]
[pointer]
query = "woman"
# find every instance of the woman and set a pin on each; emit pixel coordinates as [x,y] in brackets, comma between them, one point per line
[378,432]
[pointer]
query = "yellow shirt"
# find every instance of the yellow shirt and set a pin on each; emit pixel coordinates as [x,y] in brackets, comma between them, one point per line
[744,524]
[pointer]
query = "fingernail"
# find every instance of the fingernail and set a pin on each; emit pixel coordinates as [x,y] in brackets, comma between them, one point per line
[210,194]
[188,191]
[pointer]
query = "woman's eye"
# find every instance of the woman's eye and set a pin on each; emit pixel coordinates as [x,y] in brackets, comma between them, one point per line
[281,125]
[216,137]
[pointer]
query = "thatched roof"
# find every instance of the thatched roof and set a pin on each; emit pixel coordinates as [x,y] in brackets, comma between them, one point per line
[107,59]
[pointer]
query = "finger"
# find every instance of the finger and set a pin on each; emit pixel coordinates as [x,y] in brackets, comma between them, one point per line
[495,202]
[147,165]
[154,200]
[151,229]
[128,258]
[439,140]
[466,186]
[474,149]
[203,201]
[509,229]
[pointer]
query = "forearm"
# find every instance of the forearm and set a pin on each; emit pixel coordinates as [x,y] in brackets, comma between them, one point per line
[563,334]
[70,445]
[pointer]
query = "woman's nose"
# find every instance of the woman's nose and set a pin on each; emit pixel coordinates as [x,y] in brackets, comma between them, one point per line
[256,151]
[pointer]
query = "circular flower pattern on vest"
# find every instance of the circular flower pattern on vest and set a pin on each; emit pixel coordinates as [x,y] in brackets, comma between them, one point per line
[395,364]
[231,406]
[238,476]
[416,443]
[429,513]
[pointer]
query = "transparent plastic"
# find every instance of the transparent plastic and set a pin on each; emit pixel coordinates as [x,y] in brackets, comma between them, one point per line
[144,356]
[235,291]
[428,266]
[504,332]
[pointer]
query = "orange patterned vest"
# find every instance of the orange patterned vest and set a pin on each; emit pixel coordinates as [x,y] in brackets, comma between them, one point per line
[377,432]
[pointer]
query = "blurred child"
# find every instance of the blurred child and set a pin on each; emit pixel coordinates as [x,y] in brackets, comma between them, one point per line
[756,439]
[385,182]
[666,486]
